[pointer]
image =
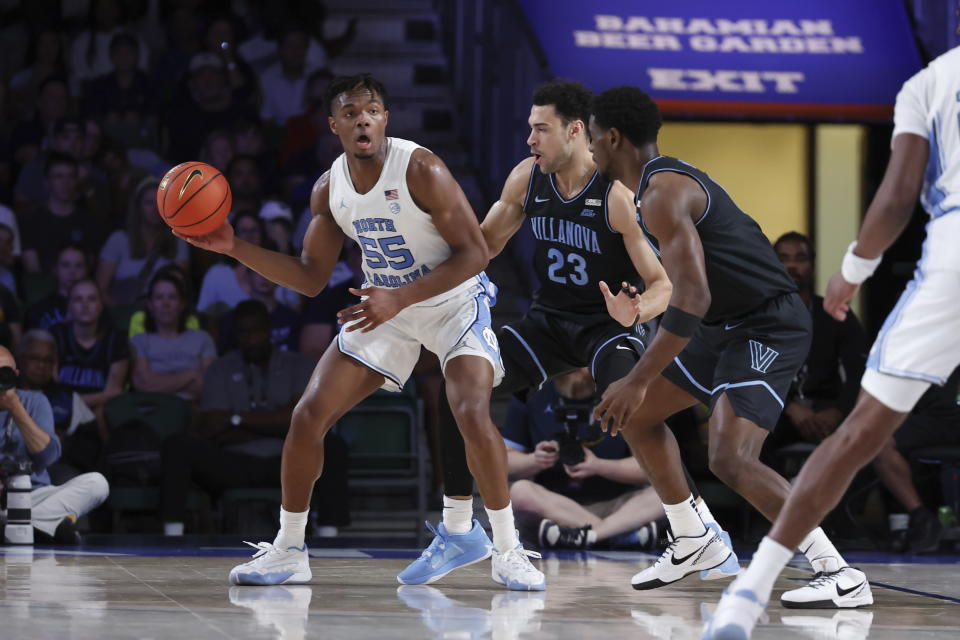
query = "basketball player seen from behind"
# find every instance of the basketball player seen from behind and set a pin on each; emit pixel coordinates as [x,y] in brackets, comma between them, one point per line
[423,261]
[586,237]
[918,345]
[733,337]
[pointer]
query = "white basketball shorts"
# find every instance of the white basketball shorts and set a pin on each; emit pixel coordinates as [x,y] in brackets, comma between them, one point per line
[920,339]
[457,326]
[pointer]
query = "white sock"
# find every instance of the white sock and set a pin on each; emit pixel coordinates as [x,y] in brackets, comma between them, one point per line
[457,515]
[504,530]
[173,528]
[684,519]
[293,525]
[821,553]
[704,512]
[769,560]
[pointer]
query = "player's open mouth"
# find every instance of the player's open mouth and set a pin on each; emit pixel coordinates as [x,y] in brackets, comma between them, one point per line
[363,141]
[536,157]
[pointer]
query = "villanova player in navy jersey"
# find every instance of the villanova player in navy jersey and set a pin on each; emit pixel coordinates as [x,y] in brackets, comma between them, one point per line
[733,337]
[586,236]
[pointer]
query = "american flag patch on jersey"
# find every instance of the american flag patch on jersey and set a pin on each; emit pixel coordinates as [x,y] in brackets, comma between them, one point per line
[391,194]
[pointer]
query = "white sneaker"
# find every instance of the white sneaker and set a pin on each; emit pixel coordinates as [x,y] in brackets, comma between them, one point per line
[514,570]
[273,565]
[683,556]
[842,625]
[737,614]
[844,589]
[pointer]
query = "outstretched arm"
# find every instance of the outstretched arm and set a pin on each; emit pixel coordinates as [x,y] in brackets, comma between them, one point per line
[506,215]
[307,274]
[622,213]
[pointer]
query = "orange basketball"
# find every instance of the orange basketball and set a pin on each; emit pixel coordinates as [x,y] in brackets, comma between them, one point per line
[194,198]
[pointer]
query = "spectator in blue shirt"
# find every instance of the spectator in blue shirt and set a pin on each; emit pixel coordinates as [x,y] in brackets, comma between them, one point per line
[574,504]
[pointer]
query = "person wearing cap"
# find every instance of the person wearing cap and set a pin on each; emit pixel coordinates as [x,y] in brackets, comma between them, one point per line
[278,219]
[208,103]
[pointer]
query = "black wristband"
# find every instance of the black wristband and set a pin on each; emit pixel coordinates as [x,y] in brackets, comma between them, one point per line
[679,322]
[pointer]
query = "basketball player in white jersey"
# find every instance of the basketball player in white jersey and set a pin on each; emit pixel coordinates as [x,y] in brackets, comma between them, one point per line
[919,343]
[423,261]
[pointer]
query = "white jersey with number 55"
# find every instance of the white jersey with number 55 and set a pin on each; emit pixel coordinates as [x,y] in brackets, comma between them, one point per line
[399,240]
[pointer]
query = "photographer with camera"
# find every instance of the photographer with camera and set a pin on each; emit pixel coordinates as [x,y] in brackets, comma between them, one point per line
[575,484]
[28,443]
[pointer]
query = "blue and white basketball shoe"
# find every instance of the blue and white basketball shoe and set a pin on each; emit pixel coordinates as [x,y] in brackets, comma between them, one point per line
[447,551]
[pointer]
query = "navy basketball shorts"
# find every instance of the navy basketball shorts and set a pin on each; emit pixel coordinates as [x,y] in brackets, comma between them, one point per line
[752,359]
[545,344]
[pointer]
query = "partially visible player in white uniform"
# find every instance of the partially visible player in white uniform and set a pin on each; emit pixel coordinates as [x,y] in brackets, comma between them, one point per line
[919,343]
[423,261]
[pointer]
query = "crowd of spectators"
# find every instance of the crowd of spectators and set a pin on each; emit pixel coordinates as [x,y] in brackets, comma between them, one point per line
[98,100]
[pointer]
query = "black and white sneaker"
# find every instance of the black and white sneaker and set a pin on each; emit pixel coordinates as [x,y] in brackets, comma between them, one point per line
[844,589]
[683,556]
[556,536]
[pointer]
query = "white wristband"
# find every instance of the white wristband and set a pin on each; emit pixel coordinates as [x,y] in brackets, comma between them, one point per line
[856,269]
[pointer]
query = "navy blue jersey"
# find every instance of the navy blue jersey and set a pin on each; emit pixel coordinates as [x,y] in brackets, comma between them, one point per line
[575,245]
[742,269]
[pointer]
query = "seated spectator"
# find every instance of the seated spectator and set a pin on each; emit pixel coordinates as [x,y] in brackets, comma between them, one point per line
[90,50]
[168,357]
[94,357]
[577,484]
[208,104]
[283,83]
[217,149]
[61,221]
[303,131]
[285,323]
[227,283]
[123,100]
[70,267]
[250,139]
[66,137]
[246,184]
[247,403]
[29,434]
[73,421]
[27,136]
[138,321]
[827,385]
[278,225]
[130,258]
[45,59]
[932,423]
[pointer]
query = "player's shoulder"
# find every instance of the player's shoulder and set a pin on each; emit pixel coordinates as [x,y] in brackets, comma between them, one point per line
[425,164]
[515,186]
[320,193]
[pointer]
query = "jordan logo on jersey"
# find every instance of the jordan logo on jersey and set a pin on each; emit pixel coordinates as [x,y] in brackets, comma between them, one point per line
[761,356]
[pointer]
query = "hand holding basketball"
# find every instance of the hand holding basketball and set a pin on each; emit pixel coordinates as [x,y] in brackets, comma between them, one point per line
[194,199]
[220,240]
